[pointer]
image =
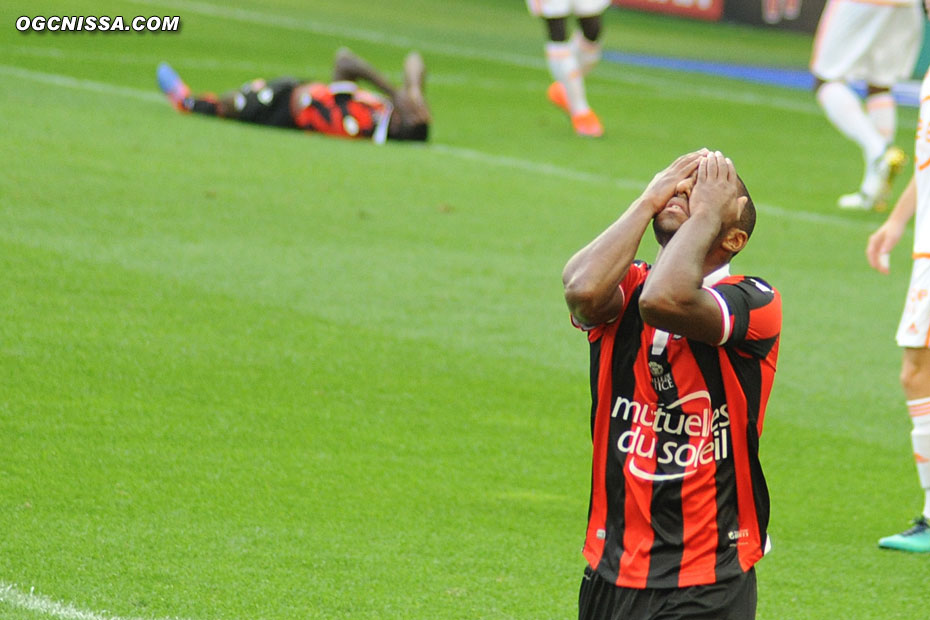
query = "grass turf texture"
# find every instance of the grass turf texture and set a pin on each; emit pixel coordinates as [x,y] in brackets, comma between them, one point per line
[251,373]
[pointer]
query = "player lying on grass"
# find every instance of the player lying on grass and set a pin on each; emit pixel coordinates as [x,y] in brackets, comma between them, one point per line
[339,108]
[683,356]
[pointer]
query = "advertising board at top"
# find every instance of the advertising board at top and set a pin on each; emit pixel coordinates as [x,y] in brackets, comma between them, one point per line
[800,15]
[710,10]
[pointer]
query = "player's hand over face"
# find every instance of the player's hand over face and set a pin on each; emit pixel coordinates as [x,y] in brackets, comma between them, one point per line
[663,185]
[716,188]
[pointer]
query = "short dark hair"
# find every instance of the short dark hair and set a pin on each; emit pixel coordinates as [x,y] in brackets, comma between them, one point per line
[747,219]
[418,132]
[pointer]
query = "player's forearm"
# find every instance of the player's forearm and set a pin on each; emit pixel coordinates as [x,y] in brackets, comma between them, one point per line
[678,275]
[592,275]
[353,68]
[906,206]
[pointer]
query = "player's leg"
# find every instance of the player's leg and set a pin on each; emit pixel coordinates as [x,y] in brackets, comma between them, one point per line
[586,48]
[730,599]
[915,379]
[845,112]
[882,109]
[599,599]
[586,42]
[841,47]
[181,97]
[913,335]
[879,43]
[171,84]
[568,90]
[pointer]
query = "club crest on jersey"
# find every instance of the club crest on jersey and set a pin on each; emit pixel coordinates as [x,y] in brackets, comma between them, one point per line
[656,369]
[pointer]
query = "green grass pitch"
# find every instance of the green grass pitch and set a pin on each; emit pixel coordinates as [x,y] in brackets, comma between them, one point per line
[254,374]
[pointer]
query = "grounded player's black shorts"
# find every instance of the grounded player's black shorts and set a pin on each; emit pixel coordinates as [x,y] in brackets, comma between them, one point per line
[266,103]
[733,599]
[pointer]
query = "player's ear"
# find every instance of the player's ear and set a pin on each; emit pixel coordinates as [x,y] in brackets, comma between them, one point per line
[735,240]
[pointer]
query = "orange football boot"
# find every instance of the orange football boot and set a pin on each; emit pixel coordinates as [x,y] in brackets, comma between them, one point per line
[587,124]
[556,94]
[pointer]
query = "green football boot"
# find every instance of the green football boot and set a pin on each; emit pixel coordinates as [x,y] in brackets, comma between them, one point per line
[915,540]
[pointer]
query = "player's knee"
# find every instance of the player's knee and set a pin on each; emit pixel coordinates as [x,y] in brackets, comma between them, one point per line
[590,27]
[914,377]
[557,29]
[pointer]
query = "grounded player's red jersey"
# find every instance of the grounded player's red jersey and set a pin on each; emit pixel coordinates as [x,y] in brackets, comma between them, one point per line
[340,109]
[677,496]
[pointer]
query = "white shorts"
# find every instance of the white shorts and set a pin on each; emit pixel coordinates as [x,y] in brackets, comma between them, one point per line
[564,8]
[914,328]
[862,41]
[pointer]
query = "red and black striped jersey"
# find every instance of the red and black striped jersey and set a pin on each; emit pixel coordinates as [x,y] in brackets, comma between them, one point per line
[678,497]
[341,109]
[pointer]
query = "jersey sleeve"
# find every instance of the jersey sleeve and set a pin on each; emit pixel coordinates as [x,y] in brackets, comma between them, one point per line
[751,314]
[634,277]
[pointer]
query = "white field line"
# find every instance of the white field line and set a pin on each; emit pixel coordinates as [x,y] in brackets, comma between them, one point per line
[342,32]
[672,86]
[481,157]
[254,69]
[11,596]
[55,79]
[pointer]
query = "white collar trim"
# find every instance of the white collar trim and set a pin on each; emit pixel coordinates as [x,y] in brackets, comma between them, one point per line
[716,276]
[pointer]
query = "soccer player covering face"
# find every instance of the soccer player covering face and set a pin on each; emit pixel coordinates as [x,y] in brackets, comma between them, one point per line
[683,357]
[338,108]
[913,334]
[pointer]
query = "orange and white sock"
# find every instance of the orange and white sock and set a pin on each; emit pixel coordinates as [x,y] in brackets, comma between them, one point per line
[919,411]
[844,109]
[883,112]
[587,52]
[564,66]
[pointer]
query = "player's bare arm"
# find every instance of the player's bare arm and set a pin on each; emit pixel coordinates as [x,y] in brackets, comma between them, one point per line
[883,240]
[410,101]
[592,276]
[673,297]
[349,66]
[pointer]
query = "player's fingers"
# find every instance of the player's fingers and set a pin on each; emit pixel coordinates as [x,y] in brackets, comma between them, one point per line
[731,170]
[722,169]
[701,169]
[694,154]
[876,253]
[712,166]
[884,258]
[687,163]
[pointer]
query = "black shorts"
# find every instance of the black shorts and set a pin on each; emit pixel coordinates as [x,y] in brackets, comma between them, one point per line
[266,103]
[733,599]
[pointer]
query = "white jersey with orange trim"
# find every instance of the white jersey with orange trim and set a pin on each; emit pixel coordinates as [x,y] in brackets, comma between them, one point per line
[876,41]
[889,2]
[564,8]
[922,173]
[914,327]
